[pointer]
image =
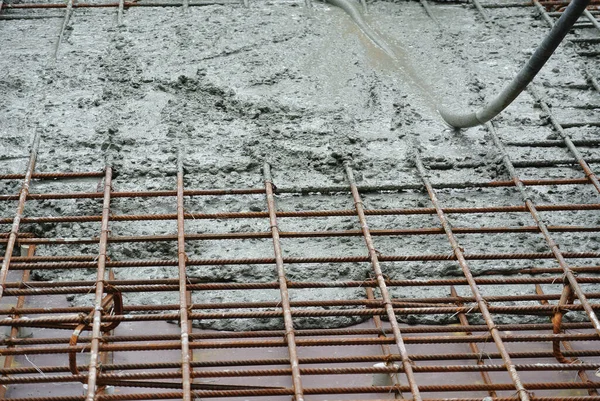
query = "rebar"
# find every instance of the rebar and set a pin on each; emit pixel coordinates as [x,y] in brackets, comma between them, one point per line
[99,292]
[290,336]
[381,282]
[16,221]
[477,340]
[558,254]
[483,307]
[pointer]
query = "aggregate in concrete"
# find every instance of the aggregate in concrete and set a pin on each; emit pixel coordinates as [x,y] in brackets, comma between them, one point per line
[236,87]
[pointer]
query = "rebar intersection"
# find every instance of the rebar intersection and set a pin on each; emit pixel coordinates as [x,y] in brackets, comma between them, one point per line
[116,356]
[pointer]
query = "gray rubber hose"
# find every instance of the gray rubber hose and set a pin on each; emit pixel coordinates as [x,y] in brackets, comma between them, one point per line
[525,76]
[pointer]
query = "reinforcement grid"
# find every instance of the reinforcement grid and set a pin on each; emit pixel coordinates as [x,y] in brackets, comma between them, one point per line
[117,350]
[514,342]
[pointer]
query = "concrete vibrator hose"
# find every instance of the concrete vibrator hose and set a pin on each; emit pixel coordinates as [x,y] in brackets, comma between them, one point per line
[525,76]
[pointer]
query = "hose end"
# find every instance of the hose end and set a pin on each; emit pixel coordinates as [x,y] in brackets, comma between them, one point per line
[457,120]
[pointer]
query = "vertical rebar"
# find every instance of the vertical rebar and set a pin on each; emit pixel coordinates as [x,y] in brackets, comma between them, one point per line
[567,140]
[120,13]
[14,330]
[283,289]
[586,168]
[385,296]
[592,19]
[14,232]
[106,357]
[482,12]
[65,23]
[385,348]
[429,12]
[568,273]
[102,258]
[543,13]
[483,308]
[462,318]
[183,294]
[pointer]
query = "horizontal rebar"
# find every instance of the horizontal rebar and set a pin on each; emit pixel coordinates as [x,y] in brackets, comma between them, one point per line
[303,234]
[301,342]
[303,190]
[518,163]
[307,260]
[403,302]
[303,371]
[312,390]
[459,329]
[160,286]
[48,321]
[307,360]
[193,3]
[306,213]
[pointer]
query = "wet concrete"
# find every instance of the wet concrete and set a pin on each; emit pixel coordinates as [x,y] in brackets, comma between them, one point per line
[303,91]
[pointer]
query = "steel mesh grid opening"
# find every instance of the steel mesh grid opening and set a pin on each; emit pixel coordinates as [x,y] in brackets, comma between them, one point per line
[551,357]
[467,354]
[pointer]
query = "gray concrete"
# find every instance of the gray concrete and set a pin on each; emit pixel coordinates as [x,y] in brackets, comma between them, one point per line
[302,91]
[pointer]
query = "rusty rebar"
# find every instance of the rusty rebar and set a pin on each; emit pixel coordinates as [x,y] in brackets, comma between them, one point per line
[558,254]
[534,310]
[462,318]
[567,139]
[65,24]
[99,292]
[263,392]
[557,328]
[392,369]
[397,303]
[184,320]
[483,307]
[304,234]
[162,285]
[167,376]
[306,260]
[290,337]
[381,283]
[385,348]
[127,4]
[351,360]
[314,332]
[14,330]
[304,190]
[12,239]
[302,214]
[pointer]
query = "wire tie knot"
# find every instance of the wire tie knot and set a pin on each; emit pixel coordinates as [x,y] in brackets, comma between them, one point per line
[382,331]
[528,393]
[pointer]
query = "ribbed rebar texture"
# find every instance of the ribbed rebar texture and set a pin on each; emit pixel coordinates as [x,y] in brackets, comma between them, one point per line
[461,278]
